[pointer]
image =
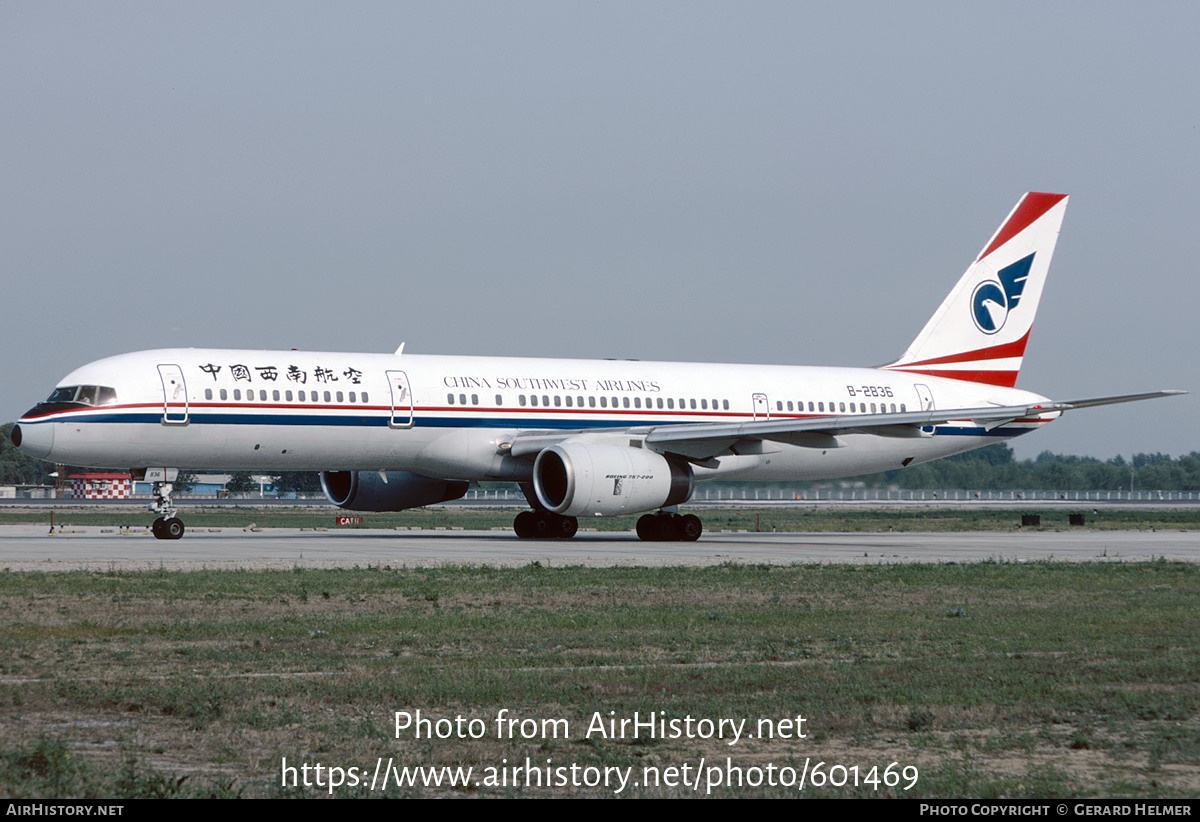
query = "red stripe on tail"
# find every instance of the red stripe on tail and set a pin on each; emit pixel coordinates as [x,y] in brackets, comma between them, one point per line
[1032,206]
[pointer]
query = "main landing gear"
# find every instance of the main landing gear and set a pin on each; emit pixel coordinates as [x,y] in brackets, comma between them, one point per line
[544,525]
[669,527]
[167,526]
[660,527]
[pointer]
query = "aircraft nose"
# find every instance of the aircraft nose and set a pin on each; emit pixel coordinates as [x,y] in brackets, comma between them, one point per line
[34,440]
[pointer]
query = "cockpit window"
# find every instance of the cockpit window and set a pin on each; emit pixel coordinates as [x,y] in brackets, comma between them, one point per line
[84,394]
[65,394]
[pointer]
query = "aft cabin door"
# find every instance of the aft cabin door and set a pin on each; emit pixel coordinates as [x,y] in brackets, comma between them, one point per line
[926,397]
[175,401]
[402,401]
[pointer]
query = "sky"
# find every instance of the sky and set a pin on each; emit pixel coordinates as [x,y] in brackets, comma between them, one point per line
[790,182]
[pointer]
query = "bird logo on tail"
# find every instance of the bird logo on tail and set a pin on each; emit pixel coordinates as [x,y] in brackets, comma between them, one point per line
[994,299]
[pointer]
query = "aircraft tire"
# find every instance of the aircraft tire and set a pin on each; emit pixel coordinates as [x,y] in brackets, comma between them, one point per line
[173,528]
[656,528]
[689,528]
[523,525]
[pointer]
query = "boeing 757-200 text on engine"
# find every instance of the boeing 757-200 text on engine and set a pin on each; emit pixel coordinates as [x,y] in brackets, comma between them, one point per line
[581,437]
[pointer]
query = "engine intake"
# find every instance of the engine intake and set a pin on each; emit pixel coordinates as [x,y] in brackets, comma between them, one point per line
[394,491]
[575,479]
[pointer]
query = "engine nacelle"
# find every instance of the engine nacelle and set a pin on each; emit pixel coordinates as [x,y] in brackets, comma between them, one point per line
[394,491]
[573,479]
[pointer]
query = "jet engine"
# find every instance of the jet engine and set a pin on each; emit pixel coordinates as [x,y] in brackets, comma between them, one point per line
[574,478]
[387,491]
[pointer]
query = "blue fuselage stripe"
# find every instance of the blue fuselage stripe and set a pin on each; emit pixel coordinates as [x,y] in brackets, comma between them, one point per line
[381,421]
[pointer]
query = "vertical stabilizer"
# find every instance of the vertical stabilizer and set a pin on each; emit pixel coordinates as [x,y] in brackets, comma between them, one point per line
[979,332]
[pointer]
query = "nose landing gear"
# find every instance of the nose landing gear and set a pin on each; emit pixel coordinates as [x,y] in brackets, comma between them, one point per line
[167,526]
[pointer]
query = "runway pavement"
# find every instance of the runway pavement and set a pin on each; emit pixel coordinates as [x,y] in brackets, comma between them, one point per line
[31,548]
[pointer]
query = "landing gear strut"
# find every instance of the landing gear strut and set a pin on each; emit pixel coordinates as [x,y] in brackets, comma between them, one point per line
[544,525]
[667,527]
[167,526]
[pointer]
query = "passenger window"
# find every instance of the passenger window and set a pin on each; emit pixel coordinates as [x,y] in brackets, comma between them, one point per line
[450,399]
[208,393]
[570,401]
[302,396]
[604,402]
[275,395]
[820,406]
[902,408]
[660,402]
[842,406]
[591,402]
[340,396]
[287,395]
[726,405]
[557,401]
[327,397]
[499,400]
[533,400]
[262,395]
[693,402]
[626,401]
[237,393]
[704,404]
[224,395]
[352,396]
[474,399]
[637,402]
[364,396]
[670,402]
[521,400]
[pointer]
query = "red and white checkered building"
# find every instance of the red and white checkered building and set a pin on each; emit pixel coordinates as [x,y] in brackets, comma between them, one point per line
[99,486]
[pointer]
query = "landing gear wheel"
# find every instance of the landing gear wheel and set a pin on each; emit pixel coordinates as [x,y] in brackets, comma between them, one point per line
[544,525]
[171,528]
[689,527]
[647,528]
[664,527]
[523,524]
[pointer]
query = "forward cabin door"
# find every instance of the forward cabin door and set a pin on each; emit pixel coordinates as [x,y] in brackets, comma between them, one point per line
[175,401]
[402,400]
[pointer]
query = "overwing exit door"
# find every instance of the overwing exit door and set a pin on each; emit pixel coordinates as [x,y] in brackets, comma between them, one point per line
[402,401]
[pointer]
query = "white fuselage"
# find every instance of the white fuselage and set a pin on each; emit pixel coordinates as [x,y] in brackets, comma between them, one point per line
[454,417]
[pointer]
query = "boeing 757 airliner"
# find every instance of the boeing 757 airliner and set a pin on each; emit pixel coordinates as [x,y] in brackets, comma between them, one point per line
[580,437]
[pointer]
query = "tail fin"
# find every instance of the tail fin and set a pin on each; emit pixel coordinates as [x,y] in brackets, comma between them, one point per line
[979,332]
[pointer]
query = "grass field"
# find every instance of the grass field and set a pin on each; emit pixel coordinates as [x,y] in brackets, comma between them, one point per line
[1021,680]
[789,519]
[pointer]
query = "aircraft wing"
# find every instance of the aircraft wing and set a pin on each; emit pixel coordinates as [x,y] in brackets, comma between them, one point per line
[705,440]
